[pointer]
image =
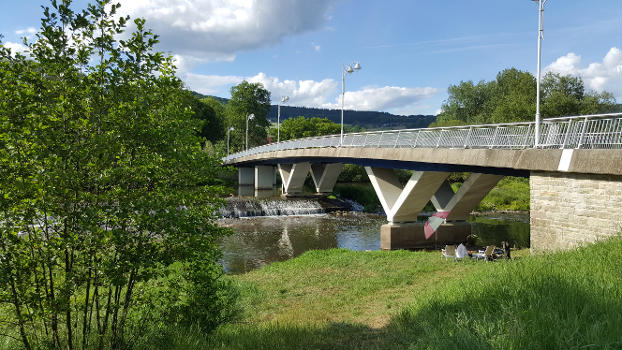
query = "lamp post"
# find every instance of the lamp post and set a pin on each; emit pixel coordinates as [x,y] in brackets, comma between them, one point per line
[540,31]
[248,117]
[228,137]
[345,69]
[284,99]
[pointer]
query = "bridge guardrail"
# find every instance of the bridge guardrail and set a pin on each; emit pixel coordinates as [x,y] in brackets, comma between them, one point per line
[595,131]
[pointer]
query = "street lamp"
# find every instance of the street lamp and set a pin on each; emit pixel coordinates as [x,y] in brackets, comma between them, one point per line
[284,99]
[540,31]
[228,137]
[248,117]
[346,69]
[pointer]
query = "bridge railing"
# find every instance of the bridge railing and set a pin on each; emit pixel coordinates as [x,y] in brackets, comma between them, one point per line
[595,131]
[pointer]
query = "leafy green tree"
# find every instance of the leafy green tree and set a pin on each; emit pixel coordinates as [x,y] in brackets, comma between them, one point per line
[511,97]
[248,98]
[103,183]
[211,113]
[294,128]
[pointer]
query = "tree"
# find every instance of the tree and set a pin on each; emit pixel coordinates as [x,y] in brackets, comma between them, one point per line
[103,183]
[211,113]
[248,98]
[294,128]
[511,97]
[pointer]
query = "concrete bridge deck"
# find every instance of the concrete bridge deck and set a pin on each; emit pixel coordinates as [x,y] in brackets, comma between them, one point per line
[494,161]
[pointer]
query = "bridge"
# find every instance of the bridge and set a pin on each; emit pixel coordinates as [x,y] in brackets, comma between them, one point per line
[575,174]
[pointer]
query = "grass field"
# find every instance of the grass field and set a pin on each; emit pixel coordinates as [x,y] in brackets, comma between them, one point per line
[338,299]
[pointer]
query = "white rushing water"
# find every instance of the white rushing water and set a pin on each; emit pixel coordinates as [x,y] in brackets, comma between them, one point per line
[241,208]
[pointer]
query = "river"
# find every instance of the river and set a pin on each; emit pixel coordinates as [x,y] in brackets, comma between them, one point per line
[262,240]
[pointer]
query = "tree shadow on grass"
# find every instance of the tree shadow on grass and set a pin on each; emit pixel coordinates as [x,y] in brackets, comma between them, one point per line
[544,312]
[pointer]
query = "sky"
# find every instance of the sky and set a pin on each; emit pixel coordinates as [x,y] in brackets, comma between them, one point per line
[410,52]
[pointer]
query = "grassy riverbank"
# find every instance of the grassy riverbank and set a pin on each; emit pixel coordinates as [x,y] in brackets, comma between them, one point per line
[338,299]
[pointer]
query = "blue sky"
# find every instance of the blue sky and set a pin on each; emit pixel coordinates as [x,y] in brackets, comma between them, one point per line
[410,51]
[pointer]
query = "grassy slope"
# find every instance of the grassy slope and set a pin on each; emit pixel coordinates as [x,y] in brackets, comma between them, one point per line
[343,299]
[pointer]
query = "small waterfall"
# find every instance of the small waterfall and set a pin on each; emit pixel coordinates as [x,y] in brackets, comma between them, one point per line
[240,207]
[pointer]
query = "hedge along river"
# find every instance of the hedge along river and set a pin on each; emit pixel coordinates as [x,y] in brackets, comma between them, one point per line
[258,241]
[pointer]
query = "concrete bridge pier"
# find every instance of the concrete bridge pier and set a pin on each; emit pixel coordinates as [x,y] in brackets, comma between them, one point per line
[293,177]
[264,181]
[246,181]
[402,204]
[325,176]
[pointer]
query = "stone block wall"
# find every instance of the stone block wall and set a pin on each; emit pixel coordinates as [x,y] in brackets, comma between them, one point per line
[569,209]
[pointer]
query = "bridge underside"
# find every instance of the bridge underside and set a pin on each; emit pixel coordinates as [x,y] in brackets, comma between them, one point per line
[570,189]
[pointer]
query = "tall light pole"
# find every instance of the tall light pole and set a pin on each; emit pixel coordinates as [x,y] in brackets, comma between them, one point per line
[540,32]
[284,99]
[228,137]
[345,69]
[248,117]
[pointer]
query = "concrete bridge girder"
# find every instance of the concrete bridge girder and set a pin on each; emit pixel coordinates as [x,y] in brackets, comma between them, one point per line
[325,176]
[468,196]
[403,203]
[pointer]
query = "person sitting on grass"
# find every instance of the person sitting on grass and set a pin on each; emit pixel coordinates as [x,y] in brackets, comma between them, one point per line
[462,252]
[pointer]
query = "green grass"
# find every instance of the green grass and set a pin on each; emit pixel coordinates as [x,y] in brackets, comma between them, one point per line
[340,299]
[511,193]
[378,300]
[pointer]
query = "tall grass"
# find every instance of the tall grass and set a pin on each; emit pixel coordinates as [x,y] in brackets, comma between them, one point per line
[566,300]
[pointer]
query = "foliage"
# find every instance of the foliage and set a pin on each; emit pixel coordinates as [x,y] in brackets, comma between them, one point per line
[211,113]
[511,193]
[511,97]
[299,127]
[103,182]
[363,194]
[248,98]
[356,119]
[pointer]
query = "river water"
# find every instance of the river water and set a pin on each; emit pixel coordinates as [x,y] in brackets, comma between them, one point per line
[259,241]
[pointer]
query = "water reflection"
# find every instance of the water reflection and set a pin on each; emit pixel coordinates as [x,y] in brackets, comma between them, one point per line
[262,240]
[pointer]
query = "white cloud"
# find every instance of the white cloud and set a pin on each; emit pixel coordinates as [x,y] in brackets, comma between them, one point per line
[383,98]
[15,47]
[311,93]
[218,29]
[302,92]
[28,32]
[599,76]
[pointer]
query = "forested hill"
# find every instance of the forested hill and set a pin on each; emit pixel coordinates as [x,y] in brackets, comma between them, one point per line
[364,119]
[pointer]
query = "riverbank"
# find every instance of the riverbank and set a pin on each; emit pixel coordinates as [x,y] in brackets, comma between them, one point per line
[340,299]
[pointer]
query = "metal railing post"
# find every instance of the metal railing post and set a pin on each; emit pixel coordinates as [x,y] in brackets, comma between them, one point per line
[438,141]
[582,133]
[494,137]
[526,141]
[380,139]
[567,134]
[397,139]
[466,139]
[416,139]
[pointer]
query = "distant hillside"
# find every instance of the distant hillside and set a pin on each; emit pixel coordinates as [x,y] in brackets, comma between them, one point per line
[364,119]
